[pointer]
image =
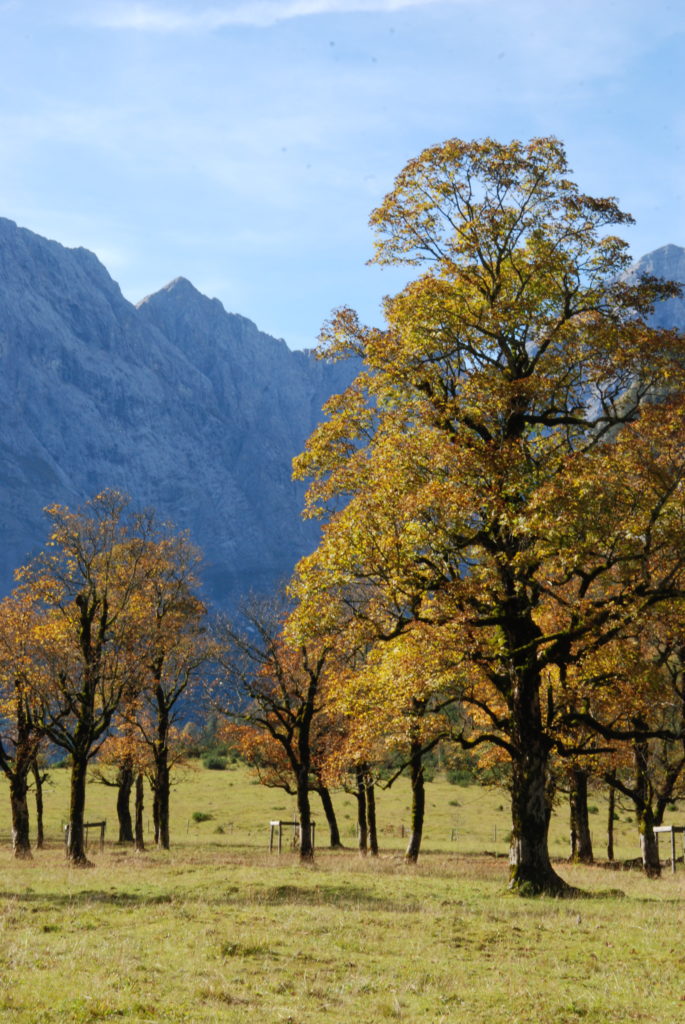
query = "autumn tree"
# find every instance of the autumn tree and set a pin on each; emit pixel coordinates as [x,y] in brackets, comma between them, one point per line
[648,767]
[397,712]
[172,649]
[123,763]
[507,470]
[259,749]
[20,736]
[82,587]
[275,685]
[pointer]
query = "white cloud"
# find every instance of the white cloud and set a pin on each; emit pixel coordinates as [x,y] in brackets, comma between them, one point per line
[257,13]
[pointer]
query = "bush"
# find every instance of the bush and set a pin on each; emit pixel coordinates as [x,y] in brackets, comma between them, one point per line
[460,776]
[215,762]
[199,816]
[592,809]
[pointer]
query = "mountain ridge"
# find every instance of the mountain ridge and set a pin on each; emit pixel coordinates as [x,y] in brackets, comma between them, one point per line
[186,407]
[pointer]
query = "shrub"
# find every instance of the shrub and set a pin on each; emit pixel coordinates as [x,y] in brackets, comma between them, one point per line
[199,816]
[215,762]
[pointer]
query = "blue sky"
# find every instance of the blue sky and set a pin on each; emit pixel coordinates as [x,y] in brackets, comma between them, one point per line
[243,143]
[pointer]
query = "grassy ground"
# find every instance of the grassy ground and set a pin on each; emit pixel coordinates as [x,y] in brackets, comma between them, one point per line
[459,819]
[218,930]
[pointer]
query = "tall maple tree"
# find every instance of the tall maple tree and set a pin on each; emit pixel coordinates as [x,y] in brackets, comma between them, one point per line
[83,587]
[172,648]
[507,470]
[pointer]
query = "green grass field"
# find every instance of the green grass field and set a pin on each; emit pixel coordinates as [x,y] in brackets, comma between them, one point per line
[219,930]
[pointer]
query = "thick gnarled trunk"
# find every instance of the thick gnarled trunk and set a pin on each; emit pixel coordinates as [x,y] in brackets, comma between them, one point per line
[530,868]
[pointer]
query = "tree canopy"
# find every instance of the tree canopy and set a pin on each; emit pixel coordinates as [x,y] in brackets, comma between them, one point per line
[502,484]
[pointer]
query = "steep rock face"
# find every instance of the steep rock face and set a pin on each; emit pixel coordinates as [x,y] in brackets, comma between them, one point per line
[668,262]
[183,406]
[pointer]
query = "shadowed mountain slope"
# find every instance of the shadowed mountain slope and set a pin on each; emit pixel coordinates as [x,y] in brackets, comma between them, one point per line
[185,407]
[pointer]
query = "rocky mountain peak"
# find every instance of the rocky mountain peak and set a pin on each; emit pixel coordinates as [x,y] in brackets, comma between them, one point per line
[667,262]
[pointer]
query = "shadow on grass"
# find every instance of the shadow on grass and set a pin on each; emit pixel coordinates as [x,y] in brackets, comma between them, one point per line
[348,897]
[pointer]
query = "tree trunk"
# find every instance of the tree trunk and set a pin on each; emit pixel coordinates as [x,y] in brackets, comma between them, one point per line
[124,787]
[304,815]
[21,844]
[139,837]
[530,871]
[162,802]
[643,797]
[361,811]
[648,843]
[610,820]
[76,849]
[581,841]
[418,803]
[371,815]
[155,813]
[38,779]
[329,811]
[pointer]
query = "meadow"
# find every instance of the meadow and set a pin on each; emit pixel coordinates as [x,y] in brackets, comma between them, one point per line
[217,929]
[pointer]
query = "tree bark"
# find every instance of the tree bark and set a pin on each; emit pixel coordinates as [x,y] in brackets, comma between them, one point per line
[643,803]
[76,850]
[21,844]
[38,779]
[161,780]
[139,837]
[124,787]
[162,803]
[530,870]
[648,843]
[155,814]
[418,803]
[371,815]
[610,819]
[581,840]
[304,814]
[362,826]
[329,811]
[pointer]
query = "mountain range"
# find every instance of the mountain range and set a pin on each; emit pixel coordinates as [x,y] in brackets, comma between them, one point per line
[187,408]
